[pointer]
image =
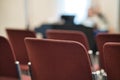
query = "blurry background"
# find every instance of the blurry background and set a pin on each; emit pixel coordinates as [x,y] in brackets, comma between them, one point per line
[22,13]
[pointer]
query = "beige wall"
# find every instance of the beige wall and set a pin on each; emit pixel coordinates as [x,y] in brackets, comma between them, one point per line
[42,11]
[110,10]
[12,13]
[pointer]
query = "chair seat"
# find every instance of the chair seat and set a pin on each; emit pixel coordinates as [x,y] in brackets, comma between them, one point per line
[25,77]
[95,67]
[24,67]
[7,78]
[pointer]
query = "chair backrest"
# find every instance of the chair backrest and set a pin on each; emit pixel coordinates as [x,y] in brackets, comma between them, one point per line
[7,60]
[58,60]
[16,38]
[89,32]
[68,35]
[101,39]
[112,60]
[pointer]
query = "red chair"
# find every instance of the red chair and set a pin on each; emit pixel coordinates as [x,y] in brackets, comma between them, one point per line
[58,60]
[16,38]
[9,68]
[101,39]
[74,36]
[68,35]
[111,56]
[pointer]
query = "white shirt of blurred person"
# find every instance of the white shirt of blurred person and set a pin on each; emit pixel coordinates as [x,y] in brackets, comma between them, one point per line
[96,21]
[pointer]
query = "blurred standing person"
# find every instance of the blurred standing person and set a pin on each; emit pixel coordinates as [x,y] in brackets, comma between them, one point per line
[97,20]
[101,21]
[106,25]
[89,22]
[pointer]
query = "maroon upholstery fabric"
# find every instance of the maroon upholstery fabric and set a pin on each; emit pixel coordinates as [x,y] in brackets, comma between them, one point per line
[68,35]
[101,39]
[58,60]
[8,78]
[16,38]
[23,77]
[112,60]
[24,67]
[7,60]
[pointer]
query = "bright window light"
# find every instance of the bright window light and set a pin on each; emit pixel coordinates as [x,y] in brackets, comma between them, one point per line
[78,8]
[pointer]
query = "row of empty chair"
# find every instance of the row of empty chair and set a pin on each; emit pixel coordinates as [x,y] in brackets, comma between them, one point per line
[71,35]
[16,38]
[101,39]
[9,66]
[69,62]
[57,62]
[56,57]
